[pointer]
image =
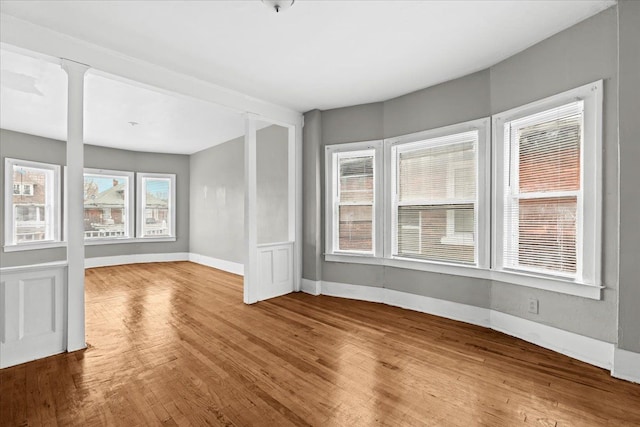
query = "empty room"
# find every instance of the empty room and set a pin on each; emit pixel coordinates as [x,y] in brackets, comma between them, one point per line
[324,213]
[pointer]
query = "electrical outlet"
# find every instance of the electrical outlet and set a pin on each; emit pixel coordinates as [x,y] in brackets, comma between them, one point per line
[533,305]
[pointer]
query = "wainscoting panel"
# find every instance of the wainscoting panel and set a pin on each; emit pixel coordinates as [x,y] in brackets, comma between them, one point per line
[33,306]
[275,269]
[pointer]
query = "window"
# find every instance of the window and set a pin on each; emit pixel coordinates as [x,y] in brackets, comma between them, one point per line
[548,186]
[156,205]
[32,208]
[108,203]
[23,189]
[428,207]
[353,196]
[435,198]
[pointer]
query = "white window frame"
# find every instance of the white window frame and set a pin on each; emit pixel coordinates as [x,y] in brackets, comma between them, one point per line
[589,226]
[490,207]
[353,149]
[141,200]
[21,191]
[482,241]
[53,199]
[129,206]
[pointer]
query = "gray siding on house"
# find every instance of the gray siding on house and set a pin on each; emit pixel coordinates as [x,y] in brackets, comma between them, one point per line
[30,147]
[576,56]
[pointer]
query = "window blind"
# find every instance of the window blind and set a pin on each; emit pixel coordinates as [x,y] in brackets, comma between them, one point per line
[543,190]
[435,192]
[354,201]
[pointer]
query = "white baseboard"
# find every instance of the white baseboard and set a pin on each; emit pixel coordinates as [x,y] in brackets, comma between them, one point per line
[437,307]
[310,286]
[451,310]
[626,365]
[586,349]
[135,259]
[220,264]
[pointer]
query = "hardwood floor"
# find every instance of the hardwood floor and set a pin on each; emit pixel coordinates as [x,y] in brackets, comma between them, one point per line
[173,344]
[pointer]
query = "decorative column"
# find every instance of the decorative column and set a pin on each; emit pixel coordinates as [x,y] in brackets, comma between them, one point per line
[250,212]
[75,215]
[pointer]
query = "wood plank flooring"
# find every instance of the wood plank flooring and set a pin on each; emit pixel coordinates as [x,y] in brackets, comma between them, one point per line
[173,344]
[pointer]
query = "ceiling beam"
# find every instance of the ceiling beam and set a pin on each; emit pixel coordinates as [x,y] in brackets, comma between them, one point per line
[26,35]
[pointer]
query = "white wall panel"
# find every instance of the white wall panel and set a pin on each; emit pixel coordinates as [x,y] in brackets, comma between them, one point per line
[275,264]
[32,324]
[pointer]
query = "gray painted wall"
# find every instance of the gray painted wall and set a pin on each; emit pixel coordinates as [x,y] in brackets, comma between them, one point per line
[137,161]
[217,201]
[217,195]
[29,147]
[579,55]
[273,203]
[629,314]
[311,196]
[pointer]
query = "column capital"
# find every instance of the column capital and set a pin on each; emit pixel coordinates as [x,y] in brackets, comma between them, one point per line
[73,67]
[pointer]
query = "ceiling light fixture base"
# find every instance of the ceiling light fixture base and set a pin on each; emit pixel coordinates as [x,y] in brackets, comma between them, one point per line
[278,5]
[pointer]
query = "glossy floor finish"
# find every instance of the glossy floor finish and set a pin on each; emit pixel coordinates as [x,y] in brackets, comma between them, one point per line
[173,344]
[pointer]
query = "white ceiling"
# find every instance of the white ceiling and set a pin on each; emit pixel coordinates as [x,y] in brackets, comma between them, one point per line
[118,113]
[317,54]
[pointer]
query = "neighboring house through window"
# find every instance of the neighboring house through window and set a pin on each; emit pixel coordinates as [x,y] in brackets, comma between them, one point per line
[549,184]
[156,205]
[435,193]
[352,216]
[544,180]
[108,201]
[32,210]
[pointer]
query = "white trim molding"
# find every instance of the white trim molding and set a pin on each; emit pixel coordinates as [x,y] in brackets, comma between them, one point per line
[220,264]
[626,365]
[623,364]
[33,310]
[586,349]
[108,261]
[312,287]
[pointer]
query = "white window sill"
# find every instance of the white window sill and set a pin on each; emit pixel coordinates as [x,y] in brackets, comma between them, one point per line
[92,242]
[155,239]
[553,284]
[34,246]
